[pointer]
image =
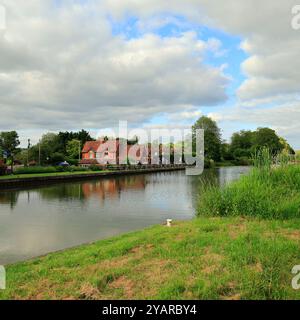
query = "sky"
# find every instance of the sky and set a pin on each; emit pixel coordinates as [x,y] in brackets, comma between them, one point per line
[73,64]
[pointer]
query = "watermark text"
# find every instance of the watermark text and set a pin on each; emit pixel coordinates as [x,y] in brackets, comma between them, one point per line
[2,278]
[150,147]
[296,278]
[296,17]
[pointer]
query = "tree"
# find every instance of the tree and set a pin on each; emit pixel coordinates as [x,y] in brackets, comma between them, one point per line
[266,137]
[64,137]
[74,149]
[242,140]
[226,151]
[244,143]
[56,157]
[9,141]
[43,151]
[287,149]
[212,137]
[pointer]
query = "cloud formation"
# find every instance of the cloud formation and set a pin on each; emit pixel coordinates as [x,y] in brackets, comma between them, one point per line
[270,41]
[271,70]
[62,68]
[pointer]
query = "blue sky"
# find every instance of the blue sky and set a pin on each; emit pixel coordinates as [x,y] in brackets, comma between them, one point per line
[230,56]
[68,65]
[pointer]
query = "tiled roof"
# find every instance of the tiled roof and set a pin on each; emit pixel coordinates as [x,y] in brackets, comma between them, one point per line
[91,146]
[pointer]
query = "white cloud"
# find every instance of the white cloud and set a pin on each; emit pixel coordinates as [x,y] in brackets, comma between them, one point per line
[265,25]
[284,118]
[61,68]
[272,69]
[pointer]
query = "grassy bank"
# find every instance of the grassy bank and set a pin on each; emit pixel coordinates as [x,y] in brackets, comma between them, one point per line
[41,175]
[264,193]
[207,258]
[245,251]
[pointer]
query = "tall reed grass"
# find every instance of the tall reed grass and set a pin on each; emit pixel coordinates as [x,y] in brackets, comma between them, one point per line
[270,190]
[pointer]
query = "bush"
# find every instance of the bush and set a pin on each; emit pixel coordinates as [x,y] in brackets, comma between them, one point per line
[77,169]
[36,170]
[95,168]
[73,162]
[243,161]
[33,170]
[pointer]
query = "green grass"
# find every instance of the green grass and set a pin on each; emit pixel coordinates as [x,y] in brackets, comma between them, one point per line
[207,258]
[243,245]
[40,175]
[265,193]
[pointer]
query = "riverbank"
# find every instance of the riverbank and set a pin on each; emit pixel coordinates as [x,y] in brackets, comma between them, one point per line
[244,247]
[207,258]
[270,193]
[15,181]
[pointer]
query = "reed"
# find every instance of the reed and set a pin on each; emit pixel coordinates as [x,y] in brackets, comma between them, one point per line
[268,191]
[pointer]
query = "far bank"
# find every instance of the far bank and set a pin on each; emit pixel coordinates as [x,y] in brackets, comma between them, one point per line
[23,180]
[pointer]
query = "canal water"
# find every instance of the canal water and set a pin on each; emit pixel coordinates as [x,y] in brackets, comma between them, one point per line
[40,220]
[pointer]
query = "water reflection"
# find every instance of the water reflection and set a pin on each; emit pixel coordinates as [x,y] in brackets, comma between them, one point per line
[44,219]
[9,198]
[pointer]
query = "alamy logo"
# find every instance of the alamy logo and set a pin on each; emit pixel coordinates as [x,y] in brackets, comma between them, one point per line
[296,279]
[2,17]
[296,17]
[2,278]
[158,147]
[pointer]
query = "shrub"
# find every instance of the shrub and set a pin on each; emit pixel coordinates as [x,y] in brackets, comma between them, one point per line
[33,170]
[36,170]
[95,168]
[77,169]
[73,162]
[243,161]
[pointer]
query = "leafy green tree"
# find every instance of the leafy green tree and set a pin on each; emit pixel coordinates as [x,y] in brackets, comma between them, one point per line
[9,141]
[56,158]
[287,149]
[22,156]
[266,137]
[64,137]
[74,149]
[242,140]
[212,137]
[244,143]
[226,151]
[43,151]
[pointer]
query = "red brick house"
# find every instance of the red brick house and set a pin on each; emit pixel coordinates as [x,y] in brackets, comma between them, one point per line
[102,152]
[89,152]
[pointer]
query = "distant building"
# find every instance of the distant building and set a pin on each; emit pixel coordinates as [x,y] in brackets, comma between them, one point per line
[102,152]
